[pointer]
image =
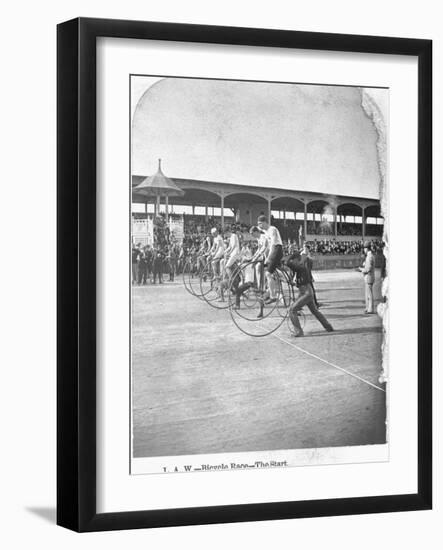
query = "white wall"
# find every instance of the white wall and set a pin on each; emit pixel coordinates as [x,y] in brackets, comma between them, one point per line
[28,272]
[258,134]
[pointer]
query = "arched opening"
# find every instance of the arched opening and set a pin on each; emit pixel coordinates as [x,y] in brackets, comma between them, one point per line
[320,219]
[374,221]
[287,214]
[246,207]
[201,210]
[350,221]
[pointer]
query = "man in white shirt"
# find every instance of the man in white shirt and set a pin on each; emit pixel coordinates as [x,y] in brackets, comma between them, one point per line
[217,250]
[260,254]
[262,246]
[232,253]
[275,254]
[248,259]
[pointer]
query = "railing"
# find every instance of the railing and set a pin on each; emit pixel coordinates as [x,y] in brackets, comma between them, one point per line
[340,238]
[341,261]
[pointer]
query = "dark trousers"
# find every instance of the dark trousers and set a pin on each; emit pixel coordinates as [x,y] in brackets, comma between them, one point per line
[142,273]
[315,295]
[306,298]
[172,270]
[157,272]
[134,272]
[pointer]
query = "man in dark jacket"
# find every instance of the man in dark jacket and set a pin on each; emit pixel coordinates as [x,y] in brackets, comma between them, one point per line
[306,295]
[142,268]
[157,267]
[306,257]
[172,262]
[135,259]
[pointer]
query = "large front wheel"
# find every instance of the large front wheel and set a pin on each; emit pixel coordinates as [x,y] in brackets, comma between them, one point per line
[213,286]
[260,303]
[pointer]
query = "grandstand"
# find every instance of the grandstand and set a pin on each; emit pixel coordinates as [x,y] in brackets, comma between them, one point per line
[238,149]
[314,216]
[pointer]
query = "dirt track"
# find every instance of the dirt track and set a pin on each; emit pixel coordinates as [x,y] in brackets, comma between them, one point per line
[201,386]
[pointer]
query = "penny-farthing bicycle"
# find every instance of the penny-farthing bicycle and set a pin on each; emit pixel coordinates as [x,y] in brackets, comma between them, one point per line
[214,286]
[192,271]
[254,309]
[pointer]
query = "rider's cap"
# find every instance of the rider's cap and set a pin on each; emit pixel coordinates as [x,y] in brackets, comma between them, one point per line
[214,230]
[262,219]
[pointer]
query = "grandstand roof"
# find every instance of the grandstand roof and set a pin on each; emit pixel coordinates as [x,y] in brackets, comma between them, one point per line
[207,193]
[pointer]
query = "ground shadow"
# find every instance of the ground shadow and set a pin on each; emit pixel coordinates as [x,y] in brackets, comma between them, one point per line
[349,301]
[332,306]
[46,513]
[357,330]
[344,317]
[328,289]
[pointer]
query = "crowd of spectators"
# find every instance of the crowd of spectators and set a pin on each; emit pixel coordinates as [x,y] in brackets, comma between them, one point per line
[334,246]
[151,263]
[290,230]
[343,229]
[166,257]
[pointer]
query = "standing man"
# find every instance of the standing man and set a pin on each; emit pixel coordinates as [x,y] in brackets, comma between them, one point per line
[368,270]
[149,258]
[157,267]
[305,297]
[142,267]
[172,261]
[272,261]
[135,258]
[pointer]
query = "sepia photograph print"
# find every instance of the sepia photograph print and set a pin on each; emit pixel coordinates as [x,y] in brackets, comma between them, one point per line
[259,274]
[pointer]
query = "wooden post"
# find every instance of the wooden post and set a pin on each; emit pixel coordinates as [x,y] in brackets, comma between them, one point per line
[222,201]
[363,222]
[305,221]
[167,211]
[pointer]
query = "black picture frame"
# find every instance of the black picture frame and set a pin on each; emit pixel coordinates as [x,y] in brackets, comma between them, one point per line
[76,265]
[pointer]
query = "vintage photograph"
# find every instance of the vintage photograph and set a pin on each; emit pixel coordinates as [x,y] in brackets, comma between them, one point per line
[259,274]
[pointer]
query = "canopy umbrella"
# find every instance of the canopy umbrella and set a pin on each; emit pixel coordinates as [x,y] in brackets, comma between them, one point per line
[158,186]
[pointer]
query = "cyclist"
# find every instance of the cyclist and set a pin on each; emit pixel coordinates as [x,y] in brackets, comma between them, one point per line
[272,260]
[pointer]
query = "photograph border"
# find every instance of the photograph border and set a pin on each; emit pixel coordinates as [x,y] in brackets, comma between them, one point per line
[76,273]
[130,242]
